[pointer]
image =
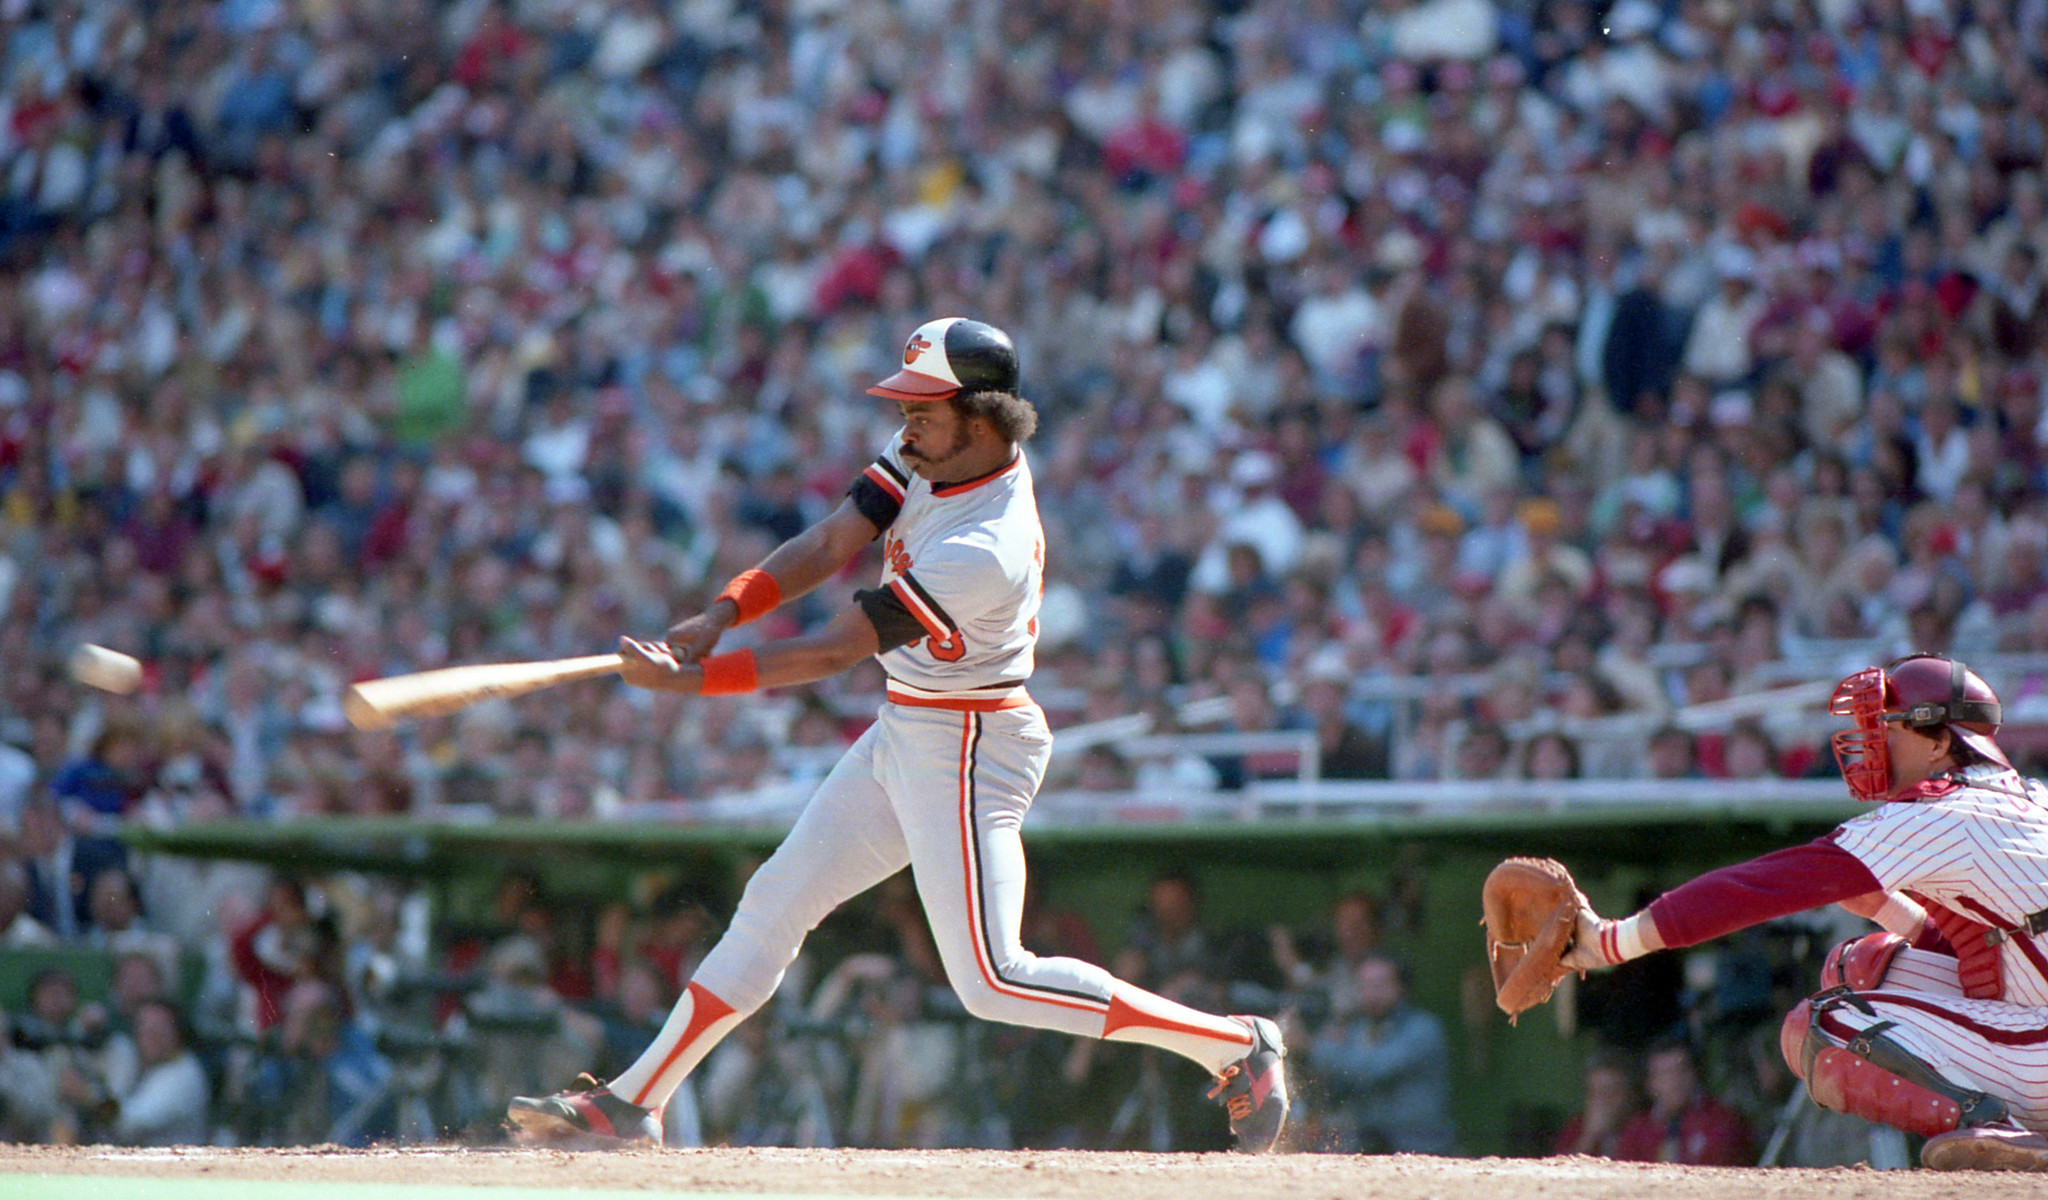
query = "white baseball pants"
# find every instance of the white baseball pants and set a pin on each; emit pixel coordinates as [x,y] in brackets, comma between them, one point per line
[1990,1046]
[943,791]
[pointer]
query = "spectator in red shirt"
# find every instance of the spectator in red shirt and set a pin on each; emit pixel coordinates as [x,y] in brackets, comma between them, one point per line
[1147,149]
[1684,1124]
[276,950]
[497,43]
[1613,1102]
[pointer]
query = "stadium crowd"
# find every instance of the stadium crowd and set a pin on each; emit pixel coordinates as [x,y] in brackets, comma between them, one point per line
[1604,354]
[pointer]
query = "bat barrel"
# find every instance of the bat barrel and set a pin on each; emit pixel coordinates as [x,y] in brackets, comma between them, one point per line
[362,713]
[380,703]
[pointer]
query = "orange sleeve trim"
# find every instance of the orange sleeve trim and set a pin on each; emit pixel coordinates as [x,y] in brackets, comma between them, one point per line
[730,674]
[754,593]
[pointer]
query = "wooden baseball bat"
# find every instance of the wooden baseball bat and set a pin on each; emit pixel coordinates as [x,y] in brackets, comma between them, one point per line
[378,703]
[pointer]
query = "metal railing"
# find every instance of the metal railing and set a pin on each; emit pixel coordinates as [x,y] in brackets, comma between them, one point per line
[1795,709]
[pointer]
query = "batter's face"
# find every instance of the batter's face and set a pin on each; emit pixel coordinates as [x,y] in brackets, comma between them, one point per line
[934,438]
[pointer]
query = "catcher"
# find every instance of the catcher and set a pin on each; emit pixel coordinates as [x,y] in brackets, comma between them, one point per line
[1938,1023]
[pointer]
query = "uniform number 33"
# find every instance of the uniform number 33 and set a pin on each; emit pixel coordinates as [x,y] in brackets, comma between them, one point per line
[953,649]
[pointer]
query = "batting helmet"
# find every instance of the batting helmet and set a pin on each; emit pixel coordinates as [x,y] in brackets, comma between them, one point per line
[1926,692]
[949,356]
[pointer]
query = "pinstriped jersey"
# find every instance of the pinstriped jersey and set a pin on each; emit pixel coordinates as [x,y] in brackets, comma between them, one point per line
[1980,850]
[962,571]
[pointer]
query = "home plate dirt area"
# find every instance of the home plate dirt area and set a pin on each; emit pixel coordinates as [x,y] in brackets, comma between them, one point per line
[88,1173]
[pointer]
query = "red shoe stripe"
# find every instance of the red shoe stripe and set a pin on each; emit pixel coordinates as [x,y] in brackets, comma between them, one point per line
[1262,1086]
[593,1116]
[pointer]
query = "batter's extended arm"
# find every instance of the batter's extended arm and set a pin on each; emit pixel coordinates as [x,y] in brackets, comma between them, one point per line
[819,654]
[797,566]
[820,552]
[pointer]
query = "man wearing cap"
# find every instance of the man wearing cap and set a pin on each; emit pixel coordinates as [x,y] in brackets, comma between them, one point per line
[1252,514]
[1545,553]
[941,781]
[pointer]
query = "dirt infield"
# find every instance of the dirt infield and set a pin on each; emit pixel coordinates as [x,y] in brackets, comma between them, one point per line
[988,1175]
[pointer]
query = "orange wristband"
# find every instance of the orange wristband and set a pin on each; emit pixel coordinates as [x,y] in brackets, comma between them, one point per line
[754,593]
[729,674]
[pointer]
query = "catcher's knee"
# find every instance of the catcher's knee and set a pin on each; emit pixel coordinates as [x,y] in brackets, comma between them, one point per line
[1792,1036]
[1861,963]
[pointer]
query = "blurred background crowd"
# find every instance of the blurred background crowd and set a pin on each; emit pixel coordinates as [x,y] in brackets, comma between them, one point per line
[329,1011]
[1569,361]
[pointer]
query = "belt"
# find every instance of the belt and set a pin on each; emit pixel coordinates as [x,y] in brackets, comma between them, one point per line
[989,699]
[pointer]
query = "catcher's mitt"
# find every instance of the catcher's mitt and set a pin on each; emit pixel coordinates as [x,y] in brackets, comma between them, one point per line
[1531,910]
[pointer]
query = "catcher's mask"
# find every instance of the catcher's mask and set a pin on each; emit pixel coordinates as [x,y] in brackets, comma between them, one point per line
[1925,692]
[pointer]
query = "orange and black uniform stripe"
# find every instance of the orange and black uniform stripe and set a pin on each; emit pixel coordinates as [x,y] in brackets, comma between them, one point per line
[878,493]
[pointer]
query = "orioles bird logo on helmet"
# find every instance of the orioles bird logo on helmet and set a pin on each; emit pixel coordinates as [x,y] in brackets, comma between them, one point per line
[951,355]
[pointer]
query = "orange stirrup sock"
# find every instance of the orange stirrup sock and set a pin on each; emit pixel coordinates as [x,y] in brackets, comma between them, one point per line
[754,593]
[730,674]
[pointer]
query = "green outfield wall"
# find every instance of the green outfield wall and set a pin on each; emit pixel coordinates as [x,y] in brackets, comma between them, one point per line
[1508,1080]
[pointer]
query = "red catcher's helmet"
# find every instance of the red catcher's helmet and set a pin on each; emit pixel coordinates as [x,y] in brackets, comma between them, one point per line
[1922,691]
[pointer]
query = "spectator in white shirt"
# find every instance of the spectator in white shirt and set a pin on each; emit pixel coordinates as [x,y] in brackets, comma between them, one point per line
[28,1091]
[1253,515]
[17,775]
[1942,448]
[17,928]
[167,1106]
[1334,327]
[1718,348]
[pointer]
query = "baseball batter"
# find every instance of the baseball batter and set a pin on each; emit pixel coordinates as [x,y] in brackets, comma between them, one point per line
[942,780]
[1939,1024]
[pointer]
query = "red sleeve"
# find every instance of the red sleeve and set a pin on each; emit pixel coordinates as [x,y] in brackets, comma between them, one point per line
[1778,884]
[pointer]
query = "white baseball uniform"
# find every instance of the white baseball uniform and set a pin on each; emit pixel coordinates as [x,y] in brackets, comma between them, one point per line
[940,782]
[1976,857]
[1970,998]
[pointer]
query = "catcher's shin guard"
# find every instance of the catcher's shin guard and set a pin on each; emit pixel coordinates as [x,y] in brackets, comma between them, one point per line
[1873,1077]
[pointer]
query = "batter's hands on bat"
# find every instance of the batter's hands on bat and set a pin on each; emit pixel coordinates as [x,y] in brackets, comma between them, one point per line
[691,638]
[653,666]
